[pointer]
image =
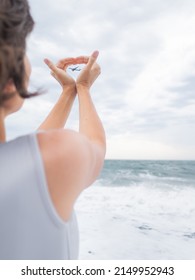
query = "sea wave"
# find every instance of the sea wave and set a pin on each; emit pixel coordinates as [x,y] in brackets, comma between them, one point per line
[141,223]
[165,174]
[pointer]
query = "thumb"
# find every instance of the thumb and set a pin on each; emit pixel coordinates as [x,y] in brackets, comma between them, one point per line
[92,59]
[50,64]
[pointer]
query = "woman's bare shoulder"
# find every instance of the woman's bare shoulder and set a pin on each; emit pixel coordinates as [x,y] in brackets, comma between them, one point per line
[62,144]
[67,161]
[51,137]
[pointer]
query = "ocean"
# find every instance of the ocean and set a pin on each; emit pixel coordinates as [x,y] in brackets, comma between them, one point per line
[159,174]
[139,209]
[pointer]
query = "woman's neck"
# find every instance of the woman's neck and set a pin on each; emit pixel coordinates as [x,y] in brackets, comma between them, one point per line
[2,126]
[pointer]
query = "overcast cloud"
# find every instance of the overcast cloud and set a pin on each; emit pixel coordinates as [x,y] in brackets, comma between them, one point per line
[146,93]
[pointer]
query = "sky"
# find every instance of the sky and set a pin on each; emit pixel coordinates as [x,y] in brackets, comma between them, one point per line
[145,95]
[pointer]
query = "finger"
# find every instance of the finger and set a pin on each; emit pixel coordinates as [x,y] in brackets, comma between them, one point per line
[65,62]
[69,62]
[53,74]
[92,59]
[50,64]
[82,59]
[96,68]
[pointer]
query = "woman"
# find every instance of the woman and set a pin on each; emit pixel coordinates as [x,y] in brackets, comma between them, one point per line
[43,173]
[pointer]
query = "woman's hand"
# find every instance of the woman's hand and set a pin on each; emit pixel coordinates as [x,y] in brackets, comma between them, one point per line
[85,79]
[90,72]
[58,71]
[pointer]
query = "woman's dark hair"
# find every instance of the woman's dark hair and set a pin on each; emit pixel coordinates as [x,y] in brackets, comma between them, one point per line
[16,23]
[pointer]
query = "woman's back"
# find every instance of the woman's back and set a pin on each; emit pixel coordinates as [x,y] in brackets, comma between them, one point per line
[42,175]
[29,221]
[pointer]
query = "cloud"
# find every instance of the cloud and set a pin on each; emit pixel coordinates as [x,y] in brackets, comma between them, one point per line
[142,147]
[145,94]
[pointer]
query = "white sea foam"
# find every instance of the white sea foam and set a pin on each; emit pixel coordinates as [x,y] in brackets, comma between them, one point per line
[136,223]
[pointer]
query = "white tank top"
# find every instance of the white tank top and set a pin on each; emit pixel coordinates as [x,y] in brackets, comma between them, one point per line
[30,227]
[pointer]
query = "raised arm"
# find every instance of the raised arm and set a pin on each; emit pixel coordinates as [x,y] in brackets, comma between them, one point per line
[73,160]
[90,124]
[61,110]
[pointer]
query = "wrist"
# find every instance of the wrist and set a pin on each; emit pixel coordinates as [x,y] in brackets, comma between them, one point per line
[82,88]
[69,90]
